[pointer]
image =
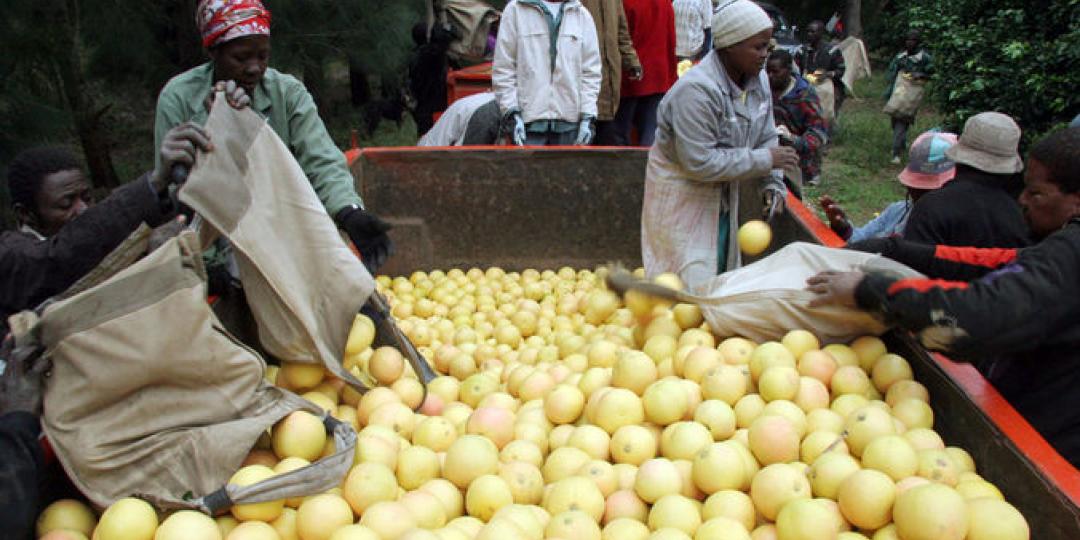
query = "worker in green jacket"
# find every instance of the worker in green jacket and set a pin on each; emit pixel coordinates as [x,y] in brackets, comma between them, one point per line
[236,34]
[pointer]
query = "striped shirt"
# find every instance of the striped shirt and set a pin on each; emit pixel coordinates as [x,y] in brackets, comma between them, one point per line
[692,17]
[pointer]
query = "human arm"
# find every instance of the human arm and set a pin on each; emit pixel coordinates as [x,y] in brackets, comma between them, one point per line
[837,67]
[591,69]
[22,460]
[784,158]
[838,220]
[814,129]
[630,60]
[939,261]
[38,269]
[1013,309]
[322,162]
[894,70]
[504,64]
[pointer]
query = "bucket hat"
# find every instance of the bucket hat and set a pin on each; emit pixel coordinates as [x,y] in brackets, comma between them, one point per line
[928,166]
[989,142]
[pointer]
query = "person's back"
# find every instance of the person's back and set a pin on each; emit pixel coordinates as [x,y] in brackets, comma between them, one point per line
[1013,313]
[692,19]
[976,208]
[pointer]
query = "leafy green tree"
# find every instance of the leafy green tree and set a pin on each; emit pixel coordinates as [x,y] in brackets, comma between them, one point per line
[1019,57]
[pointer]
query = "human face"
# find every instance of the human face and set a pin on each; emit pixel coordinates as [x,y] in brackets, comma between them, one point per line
[243,60]
[779,75]
[62,197]
[814,33]
[747,58]
[1046,207]
[911,44]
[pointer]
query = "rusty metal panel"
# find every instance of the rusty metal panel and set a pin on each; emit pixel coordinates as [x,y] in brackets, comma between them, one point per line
[509,207]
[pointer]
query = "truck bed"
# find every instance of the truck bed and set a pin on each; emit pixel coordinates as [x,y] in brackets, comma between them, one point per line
[580,207]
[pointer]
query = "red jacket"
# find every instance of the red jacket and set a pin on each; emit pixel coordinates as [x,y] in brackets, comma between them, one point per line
[652,29]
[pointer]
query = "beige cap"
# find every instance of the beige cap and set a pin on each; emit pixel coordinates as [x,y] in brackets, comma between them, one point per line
[990,142]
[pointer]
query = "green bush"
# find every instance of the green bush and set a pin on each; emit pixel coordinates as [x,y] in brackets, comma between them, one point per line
[1020,57]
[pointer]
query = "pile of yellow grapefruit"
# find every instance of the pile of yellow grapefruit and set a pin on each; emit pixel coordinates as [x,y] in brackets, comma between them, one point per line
[563,411]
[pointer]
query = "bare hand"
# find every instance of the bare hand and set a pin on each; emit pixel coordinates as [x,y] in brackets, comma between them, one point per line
[22,381]
[838,220]
[834,288]
[166,232]
[784,158]
[179,148]
[235,95]
[636,74]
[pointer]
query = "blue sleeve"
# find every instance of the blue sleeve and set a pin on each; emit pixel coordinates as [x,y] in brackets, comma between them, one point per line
[888,223]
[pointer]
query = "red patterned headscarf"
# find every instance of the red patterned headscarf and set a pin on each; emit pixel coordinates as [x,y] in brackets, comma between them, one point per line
[224,20]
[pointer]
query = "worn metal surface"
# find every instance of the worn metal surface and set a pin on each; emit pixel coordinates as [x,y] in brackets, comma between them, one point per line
[508,207]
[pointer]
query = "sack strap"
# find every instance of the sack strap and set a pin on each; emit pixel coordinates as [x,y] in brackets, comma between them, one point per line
[318,477]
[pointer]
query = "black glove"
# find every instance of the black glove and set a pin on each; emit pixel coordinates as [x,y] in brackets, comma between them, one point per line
[368,234]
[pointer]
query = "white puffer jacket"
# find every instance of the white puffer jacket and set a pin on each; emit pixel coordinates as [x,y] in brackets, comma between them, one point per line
[522,76]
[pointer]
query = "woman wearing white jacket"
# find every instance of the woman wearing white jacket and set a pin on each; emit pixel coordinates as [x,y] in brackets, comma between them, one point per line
[715,139]
[546,74]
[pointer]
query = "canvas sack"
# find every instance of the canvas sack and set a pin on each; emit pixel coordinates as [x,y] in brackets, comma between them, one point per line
[826,92]
[766,299]
[150,397]
[302,282]
[906,97]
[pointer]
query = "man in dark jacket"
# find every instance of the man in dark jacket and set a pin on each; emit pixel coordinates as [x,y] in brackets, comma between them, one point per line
[61,234]
[1019,323]
[823,60]
[975,209]
[427,73]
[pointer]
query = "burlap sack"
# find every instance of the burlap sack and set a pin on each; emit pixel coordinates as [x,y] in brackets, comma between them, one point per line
[303,284]
[472,20]
[826,93]
[765,300]
[856,60]
[906,97]
[149,396]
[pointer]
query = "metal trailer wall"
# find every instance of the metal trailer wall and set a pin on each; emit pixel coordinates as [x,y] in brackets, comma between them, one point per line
[548,208]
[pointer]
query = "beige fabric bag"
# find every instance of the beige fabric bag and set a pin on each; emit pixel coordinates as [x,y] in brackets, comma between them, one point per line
[149,396]
[764,300]
[906,97]
[826,92]
[473,20]
[856,60]
[303,284]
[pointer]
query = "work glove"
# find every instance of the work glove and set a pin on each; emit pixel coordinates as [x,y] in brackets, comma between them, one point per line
[515,125]
[586,131]
[774,204]
[368,234]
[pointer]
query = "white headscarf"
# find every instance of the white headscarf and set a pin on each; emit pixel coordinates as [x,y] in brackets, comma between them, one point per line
[737,21]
